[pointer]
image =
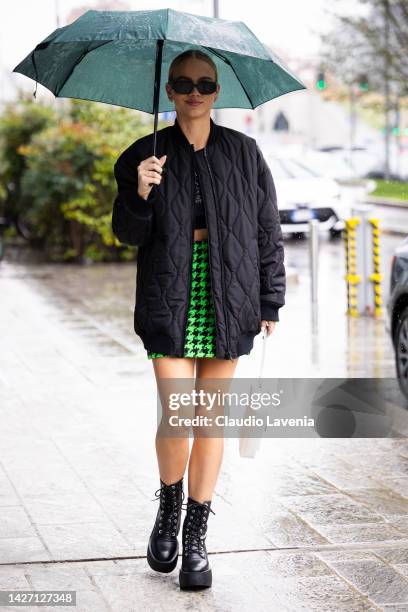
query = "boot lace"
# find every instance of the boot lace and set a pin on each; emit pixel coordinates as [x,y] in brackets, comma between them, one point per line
[169,508]
[196,527]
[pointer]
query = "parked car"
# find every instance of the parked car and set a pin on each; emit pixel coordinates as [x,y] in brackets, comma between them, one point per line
[398,163]
[303,194]
[396,320]
[360,160]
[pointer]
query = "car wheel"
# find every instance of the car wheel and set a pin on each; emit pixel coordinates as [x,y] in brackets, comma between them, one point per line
[298,235]
[335,233]
[401,351]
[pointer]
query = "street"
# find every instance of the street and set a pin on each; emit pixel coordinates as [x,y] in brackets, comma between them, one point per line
[312,521]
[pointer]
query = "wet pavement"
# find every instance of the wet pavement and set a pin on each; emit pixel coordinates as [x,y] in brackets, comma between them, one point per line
[314,524]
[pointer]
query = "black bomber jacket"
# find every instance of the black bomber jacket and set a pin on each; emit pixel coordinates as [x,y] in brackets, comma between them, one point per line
[246,252]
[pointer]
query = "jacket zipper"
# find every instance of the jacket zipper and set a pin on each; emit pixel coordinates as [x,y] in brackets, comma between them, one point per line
[209,254]
[222,262]
[191,254]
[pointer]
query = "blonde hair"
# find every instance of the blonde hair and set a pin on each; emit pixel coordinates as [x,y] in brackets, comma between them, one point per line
[191,53]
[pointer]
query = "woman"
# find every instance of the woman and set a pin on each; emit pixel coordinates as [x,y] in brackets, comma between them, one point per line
[210,276]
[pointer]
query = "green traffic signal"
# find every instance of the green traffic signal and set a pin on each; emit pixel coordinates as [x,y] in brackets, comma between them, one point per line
[363,83]
[321,82]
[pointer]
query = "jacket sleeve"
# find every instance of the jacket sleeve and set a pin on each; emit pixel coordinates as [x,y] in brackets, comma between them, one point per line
[270,243]
[132,215]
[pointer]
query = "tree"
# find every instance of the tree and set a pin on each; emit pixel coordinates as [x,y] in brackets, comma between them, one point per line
[20,121]
[374,41]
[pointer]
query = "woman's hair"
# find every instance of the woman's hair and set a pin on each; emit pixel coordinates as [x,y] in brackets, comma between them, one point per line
[195,54]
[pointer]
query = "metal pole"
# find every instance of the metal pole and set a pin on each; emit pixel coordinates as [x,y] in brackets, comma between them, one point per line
[352,125]
[365,299]
[397,123]
[314,259]
[57,17]
[387,90]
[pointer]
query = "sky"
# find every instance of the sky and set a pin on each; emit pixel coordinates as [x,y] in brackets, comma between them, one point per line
[290,26]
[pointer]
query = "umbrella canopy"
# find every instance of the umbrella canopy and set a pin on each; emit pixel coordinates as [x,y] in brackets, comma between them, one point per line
[110,56]
[121,57]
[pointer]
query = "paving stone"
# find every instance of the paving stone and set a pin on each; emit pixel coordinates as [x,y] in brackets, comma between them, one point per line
[8,496]
[78,409]
[84,540]
[289,530]
[15,550]
[360,533]
[91,601]
[330,509]
[345,554]
[399,485]
[59,577]
[13,578]
[60,509]
[15,523]
[384,500]
[395,556]
[46,480]
[381,583]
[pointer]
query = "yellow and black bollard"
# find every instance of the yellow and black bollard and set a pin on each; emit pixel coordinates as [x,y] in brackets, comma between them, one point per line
[352,278]
[376,277]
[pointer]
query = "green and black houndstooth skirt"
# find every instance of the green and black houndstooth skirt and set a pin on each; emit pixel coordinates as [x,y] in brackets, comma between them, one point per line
[200,336]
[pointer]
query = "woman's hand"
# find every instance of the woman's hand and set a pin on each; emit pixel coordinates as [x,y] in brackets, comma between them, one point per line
[269,325]
[149,172]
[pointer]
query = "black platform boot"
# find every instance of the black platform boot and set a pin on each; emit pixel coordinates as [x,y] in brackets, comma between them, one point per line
[163,547]
[195,569]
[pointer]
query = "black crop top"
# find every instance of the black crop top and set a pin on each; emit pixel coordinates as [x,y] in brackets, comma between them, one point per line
[200,220]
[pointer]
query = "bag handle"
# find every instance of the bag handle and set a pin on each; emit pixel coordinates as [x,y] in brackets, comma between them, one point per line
[264,337]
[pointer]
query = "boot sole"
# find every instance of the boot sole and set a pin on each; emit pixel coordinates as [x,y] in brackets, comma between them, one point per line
[195,579]
[162,566]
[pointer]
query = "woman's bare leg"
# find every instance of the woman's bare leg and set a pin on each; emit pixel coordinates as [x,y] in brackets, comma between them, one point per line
[207,452]
[172,451]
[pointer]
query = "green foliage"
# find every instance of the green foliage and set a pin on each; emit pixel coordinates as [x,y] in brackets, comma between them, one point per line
[60,166]
[19,122]
[391,189]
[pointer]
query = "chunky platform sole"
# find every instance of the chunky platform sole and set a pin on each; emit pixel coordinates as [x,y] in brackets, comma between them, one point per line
[195,579]
[162,566]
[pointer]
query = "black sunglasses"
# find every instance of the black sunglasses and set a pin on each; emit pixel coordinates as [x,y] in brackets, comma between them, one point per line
[186,86]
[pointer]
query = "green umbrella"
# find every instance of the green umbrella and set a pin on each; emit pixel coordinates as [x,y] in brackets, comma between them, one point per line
[121,57]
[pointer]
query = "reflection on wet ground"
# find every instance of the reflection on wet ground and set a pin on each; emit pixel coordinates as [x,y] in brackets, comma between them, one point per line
[314,524]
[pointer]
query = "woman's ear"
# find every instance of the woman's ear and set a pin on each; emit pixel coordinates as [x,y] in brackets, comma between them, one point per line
[169,94]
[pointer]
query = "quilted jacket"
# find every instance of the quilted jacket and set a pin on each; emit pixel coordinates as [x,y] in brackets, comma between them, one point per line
[246,252]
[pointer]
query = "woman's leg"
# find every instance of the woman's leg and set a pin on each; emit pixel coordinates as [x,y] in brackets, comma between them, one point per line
[207,452]
[172,451]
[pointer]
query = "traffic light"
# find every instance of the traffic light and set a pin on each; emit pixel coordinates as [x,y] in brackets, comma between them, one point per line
[363,82]
[321,81]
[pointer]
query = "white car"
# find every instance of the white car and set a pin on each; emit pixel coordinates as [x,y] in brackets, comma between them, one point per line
[303,195]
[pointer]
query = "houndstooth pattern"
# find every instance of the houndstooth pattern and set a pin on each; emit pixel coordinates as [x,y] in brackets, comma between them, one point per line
[200,331]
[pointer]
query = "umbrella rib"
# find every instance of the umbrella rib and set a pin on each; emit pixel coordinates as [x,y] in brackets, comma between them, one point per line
[86,52]
[226,60]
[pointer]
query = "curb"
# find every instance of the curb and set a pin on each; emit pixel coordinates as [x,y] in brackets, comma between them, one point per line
[386,202]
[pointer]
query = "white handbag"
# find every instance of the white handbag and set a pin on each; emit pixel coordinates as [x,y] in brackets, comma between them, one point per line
[249,446]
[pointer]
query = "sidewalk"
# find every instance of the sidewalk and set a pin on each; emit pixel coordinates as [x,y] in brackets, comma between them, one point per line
[314,524]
